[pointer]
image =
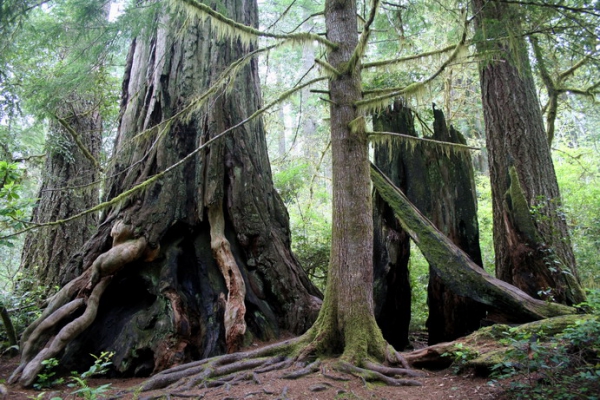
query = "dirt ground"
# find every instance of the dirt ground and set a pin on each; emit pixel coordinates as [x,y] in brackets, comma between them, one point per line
[435,385]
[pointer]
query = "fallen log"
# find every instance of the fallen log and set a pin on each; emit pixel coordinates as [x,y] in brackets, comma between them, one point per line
[455,268]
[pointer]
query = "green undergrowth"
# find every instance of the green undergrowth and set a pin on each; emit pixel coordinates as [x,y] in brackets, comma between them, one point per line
[540,365]
[78,382]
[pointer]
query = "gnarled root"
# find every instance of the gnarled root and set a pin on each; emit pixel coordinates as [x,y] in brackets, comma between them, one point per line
[234,368]
[200,371]
[374,372]
[85,290]
[66,334]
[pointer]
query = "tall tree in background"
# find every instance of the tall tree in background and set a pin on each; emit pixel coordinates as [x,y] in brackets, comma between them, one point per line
[69,186]
[199,259]
[531,240]
[72,171]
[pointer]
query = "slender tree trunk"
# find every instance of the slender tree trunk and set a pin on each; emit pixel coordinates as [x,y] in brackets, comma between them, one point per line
[531,240]
[200,259]
[346,323]
[69,186]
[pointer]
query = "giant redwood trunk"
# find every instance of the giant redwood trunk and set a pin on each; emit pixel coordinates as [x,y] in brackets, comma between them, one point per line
[531,240]
[440,184]
[69,186]
[200,259]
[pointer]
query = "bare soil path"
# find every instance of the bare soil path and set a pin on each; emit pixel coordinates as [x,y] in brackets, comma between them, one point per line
[436,385]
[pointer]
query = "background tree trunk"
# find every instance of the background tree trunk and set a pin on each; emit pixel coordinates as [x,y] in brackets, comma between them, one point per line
[224,262]
[531,240]
[67,188]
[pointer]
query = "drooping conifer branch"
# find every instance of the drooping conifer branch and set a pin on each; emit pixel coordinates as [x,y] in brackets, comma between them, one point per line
[181,162]
[230,28]
[384,63]
[311,16]
[78,142]
[373,103]
[363,40]
[554,86]
[415,139]
[328,69]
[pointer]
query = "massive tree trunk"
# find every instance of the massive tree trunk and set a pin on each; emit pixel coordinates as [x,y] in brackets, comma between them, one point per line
[200,259]
[440,184]
[69,186]
[531,240]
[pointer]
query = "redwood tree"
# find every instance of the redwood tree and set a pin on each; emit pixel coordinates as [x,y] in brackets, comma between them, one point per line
[531,240]
[200,259]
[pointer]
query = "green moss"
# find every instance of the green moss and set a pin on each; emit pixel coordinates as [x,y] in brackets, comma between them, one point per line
[519,208]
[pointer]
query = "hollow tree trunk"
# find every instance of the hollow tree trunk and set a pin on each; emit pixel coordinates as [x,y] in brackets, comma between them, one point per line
[200,260]
[67,188]
[441,186]
[392,289]
[531,240]
[454,212]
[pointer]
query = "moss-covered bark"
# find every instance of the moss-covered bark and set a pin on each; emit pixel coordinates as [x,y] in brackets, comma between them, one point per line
[170,308]
[531,239]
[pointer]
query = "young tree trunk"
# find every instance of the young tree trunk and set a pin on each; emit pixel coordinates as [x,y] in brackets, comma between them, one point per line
[200,259]
[531,240]
[346,324]
[69,186]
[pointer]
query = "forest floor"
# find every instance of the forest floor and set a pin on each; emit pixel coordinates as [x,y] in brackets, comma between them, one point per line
[443,384]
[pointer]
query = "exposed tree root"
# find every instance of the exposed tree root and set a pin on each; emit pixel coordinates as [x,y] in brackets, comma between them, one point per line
[370,374]
[66,334]
[232,369]
[45,338]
